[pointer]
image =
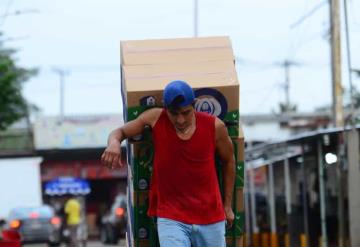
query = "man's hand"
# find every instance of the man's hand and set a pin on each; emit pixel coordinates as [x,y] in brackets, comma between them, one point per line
[112,155]
[229,217]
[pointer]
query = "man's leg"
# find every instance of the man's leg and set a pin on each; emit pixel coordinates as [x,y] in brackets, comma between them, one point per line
[173,233]
[73,236]
[212,235]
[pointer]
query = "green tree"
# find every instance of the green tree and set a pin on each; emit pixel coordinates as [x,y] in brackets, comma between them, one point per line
[13,105]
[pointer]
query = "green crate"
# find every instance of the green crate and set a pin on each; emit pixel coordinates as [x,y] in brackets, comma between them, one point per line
[142,165]
[233,130]
[238,144]
[239,174]
[144,225]
[238,226]
[134,111]
[232,117]
[145,232]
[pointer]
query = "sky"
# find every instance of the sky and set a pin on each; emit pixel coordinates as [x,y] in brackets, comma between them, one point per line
[82,37]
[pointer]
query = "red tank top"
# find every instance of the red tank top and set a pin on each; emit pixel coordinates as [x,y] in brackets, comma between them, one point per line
[184,184]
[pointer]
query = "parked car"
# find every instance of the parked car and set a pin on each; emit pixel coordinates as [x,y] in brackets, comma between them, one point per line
[35,224]
[113,223]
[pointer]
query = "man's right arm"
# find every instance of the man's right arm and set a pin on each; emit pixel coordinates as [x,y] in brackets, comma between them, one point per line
[112,154]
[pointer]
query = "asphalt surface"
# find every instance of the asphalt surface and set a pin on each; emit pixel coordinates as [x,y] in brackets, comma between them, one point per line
[89,244]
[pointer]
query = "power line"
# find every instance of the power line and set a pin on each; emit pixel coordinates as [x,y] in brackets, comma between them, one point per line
[20,12]
[12,39]
[307,15]
[301,41]
[270,92]
[252,62]
[257,90]
[5,15]
[84,68]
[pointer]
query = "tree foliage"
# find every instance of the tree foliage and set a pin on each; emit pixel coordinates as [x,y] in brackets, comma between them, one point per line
[13,106]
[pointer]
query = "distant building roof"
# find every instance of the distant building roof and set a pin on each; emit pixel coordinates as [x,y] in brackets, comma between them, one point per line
[274,127]
[251,118]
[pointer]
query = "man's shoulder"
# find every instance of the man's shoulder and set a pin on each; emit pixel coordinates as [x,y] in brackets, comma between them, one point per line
[206,118]
[204,115]
[154,111]
[72,202]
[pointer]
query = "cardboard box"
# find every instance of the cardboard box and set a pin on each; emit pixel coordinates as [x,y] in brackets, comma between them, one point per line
[239,146]
[215,86]
[174,51]
[239,199]
[207,64]
[238,195]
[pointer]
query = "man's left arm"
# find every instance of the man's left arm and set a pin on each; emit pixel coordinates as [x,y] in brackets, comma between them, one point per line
[225,150]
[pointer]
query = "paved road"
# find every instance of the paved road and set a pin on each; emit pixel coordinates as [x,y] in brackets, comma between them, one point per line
[90,244]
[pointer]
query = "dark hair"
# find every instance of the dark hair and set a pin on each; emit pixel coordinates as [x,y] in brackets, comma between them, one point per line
[175,104]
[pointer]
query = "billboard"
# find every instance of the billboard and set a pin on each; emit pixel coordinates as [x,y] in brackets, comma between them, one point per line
[74,132]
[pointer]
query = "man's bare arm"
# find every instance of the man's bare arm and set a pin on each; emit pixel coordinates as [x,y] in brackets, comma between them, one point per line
[225,150]
[112,154]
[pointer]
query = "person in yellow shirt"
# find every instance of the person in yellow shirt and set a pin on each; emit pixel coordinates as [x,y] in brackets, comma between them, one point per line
[73,216]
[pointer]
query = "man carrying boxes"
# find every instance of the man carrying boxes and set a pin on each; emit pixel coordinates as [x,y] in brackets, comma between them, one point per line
[207,65]
[184,191]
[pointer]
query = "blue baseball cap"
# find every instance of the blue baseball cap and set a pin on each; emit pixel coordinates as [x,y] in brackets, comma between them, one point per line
[175,89]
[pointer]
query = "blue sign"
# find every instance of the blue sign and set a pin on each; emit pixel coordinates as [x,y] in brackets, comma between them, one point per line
[67,186]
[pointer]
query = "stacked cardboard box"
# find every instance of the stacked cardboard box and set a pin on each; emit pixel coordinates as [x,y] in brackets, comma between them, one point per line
[207,64]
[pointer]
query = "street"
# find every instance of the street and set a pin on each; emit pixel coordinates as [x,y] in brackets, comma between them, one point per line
[121,243]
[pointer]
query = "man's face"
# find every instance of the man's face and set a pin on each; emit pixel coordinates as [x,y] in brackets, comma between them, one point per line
[181,118]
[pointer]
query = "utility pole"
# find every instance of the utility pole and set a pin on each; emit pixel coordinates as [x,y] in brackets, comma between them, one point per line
[324,238]
[336,63]
[353,186]
[353,153]
[196,19]
[61,73]
[338,118]
[286,65]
